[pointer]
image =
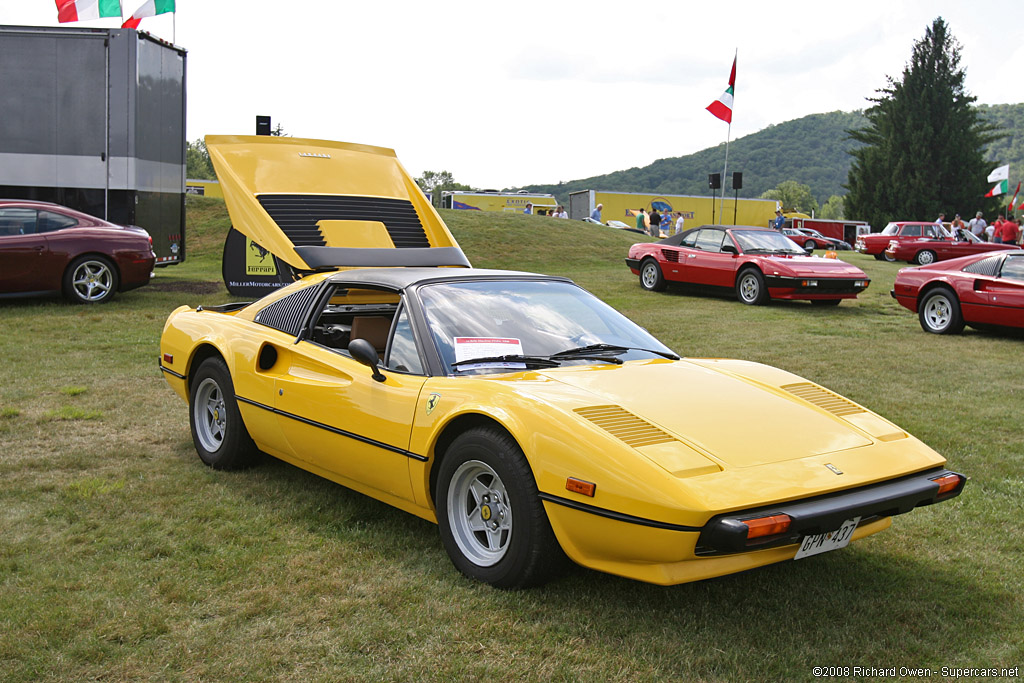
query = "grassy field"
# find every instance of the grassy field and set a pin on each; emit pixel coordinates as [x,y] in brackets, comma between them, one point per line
[123,558]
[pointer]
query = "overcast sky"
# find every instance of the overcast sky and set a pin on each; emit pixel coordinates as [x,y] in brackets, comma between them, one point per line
[507,94]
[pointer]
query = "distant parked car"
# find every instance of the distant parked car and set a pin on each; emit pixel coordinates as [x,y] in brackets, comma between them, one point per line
[875,244]
[49,249]
[925,250]
[983,290]
[619,225]
[809,237]
[757,264]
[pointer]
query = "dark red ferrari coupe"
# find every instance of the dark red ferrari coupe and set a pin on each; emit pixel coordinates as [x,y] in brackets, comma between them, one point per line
[924,250]
[756,263]
[48,249]
[983,290]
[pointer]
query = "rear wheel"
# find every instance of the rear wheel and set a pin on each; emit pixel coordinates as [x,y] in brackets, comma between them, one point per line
[651,277]
[939,312]
[750,288]
[492,522]
[218,432]
[90,280]
[925,257]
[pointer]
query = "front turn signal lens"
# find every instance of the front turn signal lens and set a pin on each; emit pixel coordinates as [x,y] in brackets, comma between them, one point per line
[769,525]
[947,483]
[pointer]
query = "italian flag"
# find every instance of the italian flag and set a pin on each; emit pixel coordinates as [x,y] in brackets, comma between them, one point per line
[83,10]
[722,107]
[1001,188]
[150,8]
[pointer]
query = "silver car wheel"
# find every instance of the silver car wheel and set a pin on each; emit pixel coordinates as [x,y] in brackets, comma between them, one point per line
[92,280]
[749,287]
[210,415]
[650,275]
[938,313]
[926,257]
[479,513]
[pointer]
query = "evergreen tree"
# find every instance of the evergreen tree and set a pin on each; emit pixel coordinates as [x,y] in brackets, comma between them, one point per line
[923,147]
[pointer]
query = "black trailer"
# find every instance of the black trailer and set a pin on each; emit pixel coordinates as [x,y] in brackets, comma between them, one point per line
[94,119]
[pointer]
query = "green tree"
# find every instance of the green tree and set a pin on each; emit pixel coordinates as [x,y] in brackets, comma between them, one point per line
[197,161]
[833,208]
[793,196]
[437,182]
[924,143]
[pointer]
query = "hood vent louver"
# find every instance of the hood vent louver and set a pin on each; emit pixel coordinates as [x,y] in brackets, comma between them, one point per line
[297,215]
[823,398]
[624,425]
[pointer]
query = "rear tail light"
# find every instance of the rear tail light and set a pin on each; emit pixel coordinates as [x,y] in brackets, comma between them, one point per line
[769,525]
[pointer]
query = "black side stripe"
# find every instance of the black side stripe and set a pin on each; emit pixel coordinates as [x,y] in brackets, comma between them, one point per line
[336,430]
[611,514]
[172,372]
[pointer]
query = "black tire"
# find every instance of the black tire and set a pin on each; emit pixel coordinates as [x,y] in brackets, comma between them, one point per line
[888,258]
[825,302]
[751,288]
[879,257]
[809,244]
[90,280]
[651,277]
[219,435]
[923,258]
[485,480]
[939,312]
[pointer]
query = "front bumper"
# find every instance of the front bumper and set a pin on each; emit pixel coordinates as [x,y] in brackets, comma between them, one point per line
[633,264]
[724,534]
[828,287]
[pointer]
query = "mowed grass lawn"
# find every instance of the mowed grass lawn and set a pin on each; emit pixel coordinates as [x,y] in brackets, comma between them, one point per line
[122,557]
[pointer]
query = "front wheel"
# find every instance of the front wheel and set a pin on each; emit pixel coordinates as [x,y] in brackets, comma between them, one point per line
[651,277]
[939,313]
[809,244]
[751,289]
[218,432]
[879,257]
[90,280]
[890,259]
[925,257]
[490,515]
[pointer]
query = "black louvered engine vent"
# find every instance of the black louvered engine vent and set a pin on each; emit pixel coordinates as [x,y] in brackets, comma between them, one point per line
[287,314]
[298,214]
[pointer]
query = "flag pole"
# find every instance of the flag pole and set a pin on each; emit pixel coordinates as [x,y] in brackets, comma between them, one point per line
[728,135]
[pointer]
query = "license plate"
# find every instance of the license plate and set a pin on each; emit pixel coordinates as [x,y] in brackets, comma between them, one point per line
[832,540]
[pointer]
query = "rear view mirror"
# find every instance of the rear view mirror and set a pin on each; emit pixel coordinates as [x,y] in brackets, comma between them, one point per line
[364,352]
[729,249]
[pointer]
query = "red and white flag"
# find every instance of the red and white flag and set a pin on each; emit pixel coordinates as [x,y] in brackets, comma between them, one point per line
[150,8]
[722,107]
[1014,200]
[83,10]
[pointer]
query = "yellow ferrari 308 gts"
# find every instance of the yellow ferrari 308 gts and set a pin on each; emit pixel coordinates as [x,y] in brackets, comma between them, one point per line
[531,421]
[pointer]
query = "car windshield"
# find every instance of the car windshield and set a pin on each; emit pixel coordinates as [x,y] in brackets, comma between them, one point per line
[528,320]
[891,229]
[765,241]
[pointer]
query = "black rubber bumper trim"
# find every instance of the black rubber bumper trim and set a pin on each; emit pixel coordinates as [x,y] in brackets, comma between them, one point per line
[619,516]
[727,534]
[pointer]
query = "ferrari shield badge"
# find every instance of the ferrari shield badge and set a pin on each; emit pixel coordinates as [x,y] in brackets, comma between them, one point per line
[432,402]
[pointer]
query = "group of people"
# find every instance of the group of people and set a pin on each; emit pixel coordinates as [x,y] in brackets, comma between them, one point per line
[558,212]
[656,224]
[1001,231]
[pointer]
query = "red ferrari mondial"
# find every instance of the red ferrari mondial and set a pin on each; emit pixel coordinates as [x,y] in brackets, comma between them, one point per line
[757,264]
[983,290]
[925,250]
[48,249]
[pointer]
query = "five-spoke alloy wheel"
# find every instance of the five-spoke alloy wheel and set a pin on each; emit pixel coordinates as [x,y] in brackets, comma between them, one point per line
[90,280]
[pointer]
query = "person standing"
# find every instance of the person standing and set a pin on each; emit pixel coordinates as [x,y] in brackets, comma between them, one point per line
[679,222]
[655,219]
[529,209]
[642,222]
[977,226]
[666,224]
[596,213]
[780,221]
[955,226]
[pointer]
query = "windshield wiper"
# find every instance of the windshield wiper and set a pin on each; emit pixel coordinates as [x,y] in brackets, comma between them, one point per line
[540,361]
[608,348]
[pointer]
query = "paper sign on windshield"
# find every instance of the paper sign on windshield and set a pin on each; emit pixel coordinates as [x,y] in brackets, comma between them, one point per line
[468,348]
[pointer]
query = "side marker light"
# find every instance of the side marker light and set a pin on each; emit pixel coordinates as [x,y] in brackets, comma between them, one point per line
[585,488]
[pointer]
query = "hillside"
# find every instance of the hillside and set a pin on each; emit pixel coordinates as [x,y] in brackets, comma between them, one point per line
[813,150]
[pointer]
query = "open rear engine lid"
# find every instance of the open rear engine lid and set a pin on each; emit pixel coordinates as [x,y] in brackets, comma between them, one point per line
[318,204]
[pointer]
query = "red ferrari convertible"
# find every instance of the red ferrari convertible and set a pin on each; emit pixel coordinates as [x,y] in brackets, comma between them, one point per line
[756,263]
[983,290]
